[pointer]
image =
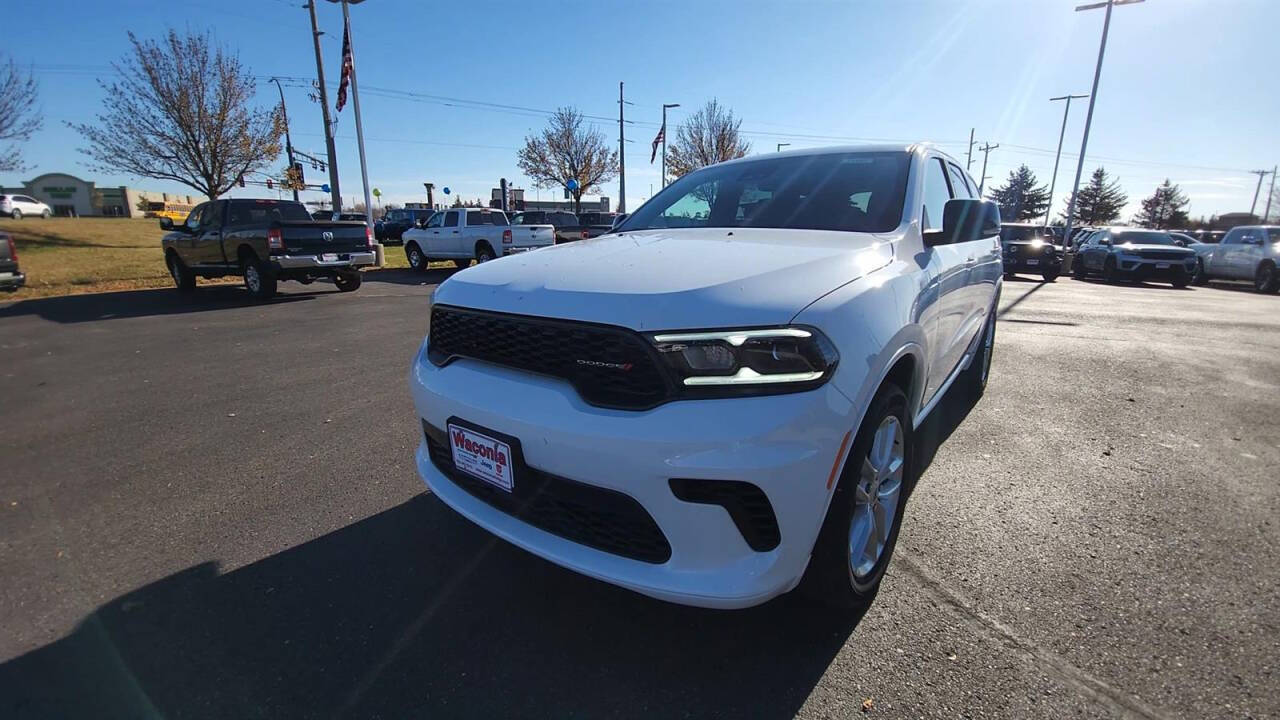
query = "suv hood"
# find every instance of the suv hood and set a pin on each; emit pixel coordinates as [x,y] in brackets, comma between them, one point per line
[1147,248]
[673,279]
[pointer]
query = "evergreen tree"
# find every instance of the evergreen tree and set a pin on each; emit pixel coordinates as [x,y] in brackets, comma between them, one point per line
[1019,198]
[1165,209]
[1099,202]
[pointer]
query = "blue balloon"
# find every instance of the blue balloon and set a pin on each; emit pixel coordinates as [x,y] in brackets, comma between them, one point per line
[324,188]
[446,191]
[573,184]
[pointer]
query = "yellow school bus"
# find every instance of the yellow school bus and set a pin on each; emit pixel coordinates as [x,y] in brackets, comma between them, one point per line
[177,212]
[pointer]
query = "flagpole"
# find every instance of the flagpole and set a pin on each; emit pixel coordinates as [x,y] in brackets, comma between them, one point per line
[355,100]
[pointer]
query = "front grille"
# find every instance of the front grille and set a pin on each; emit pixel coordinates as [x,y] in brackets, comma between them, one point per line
[609,366]
[1162,255]
[746,504]
[604,519]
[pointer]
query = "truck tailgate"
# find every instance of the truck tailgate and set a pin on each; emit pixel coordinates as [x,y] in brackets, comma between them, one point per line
[525,237]
[314,238]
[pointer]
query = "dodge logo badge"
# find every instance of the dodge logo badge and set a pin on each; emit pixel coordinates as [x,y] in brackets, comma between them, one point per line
[328,236]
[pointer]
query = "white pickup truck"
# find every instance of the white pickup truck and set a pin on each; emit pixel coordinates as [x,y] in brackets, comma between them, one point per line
[466,234]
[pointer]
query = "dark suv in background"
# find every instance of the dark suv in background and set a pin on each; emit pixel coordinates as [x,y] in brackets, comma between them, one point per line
[1027,248]
[390,229]
[567,226]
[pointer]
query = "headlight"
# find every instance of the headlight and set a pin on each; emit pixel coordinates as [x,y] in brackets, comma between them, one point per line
[755,360]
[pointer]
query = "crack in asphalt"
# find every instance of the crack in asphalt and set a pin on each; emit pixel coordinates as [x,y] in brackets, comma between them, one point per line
[1123,704]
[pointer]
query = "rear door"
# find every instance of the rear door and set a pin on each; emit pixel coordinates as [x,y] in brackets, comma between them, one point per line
[450,234]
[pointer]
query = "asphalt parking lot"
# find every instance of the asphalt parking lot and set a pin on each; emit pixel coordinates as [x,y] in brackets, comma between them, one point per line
[209,510]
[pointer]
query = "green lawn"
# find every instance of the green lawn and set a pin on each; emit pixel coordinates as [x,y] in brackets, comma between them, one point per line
[64,256]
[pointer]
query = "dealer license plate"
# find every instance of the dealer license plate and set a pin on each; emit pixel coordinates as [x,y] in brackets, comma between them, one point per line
[479,455]
[1162,266]
[1033,261]
[329,257]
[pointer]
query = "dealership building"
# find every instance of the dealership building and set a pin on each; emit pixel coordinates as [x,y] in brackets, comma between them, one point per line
[69,196]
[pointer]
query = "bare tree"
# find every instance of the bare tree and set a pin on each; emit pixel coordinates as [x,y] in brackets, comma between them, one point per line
[19,116]
[182,112]
[709,136]
[568,153]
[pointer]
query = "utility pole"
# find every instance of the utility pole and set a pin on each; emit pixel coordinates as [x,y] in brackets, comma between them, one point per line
[986,150]
[1093,98]
[664,140]
[622,154]
[288,144]
[334,193]
[1261,174]
[1270,194]
[1061,134]
[968,163]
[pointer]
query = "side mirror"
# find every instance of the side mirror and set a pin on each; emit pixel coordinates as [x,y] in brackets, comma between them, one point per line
[965,219]
[619,220]
[166,223]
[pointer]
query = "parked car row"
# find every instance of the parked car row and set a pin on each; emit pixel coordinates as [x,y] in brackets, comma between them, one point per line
[465,234]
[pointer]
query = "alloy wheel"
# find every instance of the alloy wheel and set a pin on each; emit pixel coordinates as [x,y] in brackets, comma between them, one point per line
[876,498]
[252,280]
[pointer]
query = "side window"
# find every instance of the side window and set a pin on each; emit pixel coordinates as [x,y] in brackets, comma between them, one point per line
[193,219]
[959,183]
[936,195]
[212,216]
[1251,237]
[451,218]
[1232,238]
[517,219]
[435,220]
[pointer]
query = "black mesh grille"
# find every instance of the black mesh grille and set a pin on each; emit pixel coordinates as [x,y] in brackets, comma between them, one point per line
[1163,255]
[747,505]
[593,516]
[609,366]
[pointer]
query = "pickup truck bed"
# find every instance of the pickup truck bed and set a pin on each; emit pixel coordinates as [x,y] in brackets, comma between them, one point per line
[264,241]
[467,234]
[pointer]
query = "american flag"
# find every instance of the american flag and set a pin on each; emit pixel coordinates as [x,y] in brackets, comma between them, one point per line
[662,134]
[348,66]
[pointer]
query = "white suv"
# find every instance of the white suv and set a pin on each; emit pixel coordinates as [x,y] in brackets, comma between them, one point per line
[718,399]
[16,206]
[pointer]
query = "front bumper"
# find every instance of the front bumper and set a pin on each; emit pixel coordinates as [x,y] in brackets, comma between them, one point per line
[783,444]
[1144,269]
[12,280]
[1021,264]
[296,262]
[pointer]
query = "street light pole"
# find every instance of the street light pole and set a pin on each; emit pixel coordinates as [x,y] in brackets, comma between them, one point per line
[1093,99]
[664,139]
[1061,134]
[288,144]
[335,195]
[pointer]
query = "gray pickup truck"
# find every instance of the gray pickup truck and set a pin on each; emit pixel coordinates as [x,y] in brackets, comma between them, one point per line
[11,278]
[264,241]
[1247,252]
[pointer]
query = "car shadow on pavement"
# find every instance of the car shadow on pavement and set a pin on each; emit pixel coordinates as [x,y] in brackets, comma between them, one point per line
[414,612]
[405,276]
[145,303]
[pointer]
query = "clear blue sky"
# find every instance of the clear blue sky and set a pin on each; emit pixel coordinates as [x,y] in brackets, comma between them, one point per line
[1188,89]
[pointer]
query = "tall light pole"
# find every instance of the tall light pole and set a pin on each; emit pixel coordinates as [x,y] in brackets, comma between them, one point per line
[1061,134]
[986,150]
[622,154]
[664,140]
[1266,215]
[1261,174]
[288,144]
[780,146]
[335,195]
[1093,98]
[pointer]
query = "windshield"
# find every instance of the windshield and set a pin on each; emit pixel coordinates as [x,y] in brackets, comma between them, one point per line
[858,192]
[1143,238]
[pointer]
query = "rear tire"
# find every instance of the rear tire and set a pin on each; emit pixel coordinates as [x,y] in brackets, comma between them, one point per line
[973,379]
[484,253]
[183,279]
[258,278]
[1200,277]
[347,282]
[1078,270]
[854,545]
[1266,280]
[417,261]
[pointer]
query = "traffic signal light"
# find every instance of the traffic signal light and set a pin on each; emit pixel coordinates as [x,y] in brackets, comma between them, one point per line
[299,179]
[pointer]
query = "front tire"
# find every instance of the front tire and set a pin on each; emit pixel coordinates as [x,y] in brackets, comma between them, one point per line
[347,282]
[1266,279]
[16,214]
[1109,272]
[258,279]
[417,261]
[44,214]
[183,279]
[1050,275]
[1200,277]
[861,527]
[1078,270]
[1180,281]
